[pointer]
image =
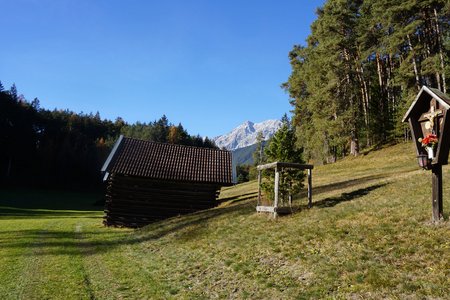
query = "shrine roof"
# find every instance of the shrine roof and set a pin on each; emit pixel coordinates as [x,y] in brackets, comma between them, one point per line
[424,93]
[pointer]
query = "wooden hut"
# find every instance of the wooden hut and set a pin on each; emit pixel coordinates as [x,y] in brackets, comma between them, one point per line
[149,181]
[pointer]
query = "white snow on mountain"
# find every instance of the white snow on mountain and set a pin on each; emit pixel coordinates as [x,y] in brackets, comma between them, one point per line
[245,134]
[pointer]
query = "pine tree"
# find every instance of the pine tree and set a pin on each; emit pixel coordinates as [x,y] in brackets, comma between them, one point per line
[13,92]
[160,130]
[258,155]
[282,148]
[362,67]
[35,104]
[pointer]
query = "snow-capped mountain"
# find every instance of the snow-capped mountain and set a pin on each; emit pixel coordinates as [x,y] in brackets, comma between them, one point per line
[245,134]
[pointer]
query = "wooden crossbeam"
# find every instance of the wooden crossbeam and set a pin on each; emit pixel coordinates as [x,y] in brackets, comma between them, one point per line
[285,165]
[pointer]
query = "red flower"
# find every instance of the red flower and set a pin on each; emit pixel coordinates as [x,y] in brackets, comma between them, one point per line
[429,141]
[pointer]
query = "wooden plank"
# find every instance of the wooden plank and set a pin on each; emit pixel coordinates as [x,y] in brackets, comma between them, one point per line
[294,166]
[133,183]
[285,165]
[151,209]
[111,156]
[139,196]
[416,129]
[136,194]
[309,188]
[261,208]
[267,166]
[276,190]
[271,209]
[444,143]
[259,187]
[120,202]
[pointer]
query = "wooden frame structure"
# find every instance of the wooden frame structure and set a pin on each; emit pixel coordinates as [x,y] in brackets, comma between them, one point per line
[275,209]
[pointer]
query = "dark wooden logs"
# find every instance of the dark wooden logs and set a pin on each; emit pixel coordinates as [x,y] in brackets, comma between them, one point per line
[135,201]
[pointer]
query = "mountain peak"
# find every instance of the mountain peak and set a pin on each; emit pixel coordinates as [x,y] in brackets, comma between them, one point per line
[245,134]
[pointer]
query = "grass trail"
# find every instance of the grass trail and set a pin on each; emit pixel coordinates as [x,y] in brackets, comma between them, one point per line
[368,236]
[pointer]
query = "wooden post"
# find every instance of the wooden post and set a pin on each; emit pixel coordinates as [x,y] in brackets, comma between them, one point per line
[436,181]
[309,188]
[259,187]
[275,201]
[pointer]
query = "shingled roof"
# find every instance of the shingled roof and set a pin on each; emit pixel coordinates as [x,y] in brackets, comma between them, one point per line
[169,162]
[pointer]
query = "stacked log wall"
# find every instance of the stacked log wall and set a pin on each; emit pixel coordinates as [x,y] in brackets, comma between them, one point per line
[136,201]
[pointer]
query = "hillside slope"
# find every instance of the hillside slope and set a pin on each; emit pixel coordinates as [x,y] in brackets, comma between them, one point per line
[244,156]
[367,236]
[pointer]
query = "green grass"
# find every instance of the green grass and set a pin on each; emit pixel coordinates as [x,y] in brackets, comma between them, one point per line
[368,236]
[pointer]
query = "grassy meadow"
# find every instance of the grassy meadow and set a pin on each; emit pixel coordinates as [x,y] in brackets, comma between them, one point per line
[367,236]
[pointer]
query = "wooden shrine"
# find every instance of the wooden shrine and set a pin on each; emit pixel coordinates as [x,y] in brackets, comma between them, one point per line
[275,208]
[428,118]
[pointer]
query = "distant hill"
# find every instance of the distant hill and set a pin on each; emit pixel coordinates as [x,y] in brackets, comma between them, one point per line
[245,134]
[244,156]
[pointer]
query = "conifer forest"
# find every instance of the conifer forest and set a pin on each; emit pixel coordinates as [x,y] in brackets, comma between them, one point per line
[350,84]
[64,149]
[361,68]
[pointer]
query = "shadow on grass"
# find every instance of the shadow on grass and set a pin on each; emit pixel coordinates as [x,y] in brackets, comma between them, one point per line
[64,242]
[51,200]
[345,184]
[91,242]
[344,197]
[10,213]
[240,196]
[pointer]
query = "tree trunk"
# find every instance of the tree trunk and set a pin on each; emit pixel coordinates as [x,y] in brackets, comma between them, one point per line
[365,100]
[416,72]
[390,86]
[441,54]
[382,100]
[380,73]
[354,144]
[429,33]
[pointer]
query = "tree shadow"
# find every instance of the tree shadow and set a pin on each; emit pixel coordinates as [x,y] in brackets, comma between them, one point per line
[64,242]
[92,242]
[52,200]
[10,213]
[345,184]
[240,197]
[344,197]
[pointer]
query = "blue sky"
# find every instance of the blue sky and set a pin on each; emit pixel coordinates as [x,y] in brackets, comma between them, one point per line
[209,65]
